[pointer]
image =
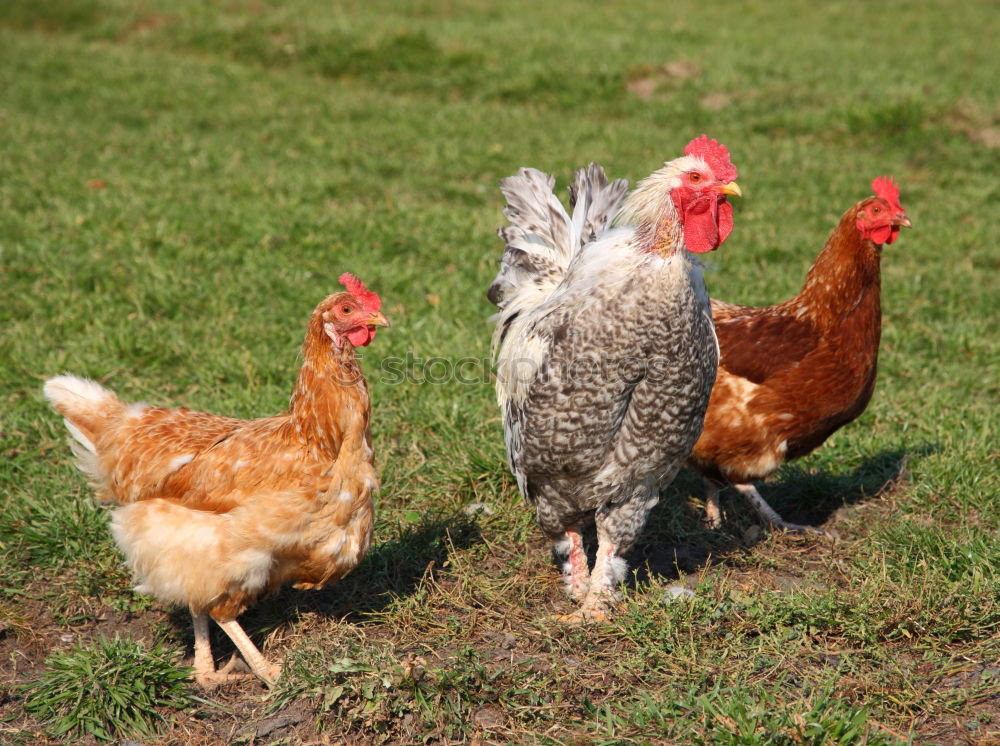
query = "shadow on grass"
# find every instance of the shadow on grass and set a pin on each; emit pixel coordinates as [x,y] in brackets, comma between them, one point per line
[812,499]
[677,542]
[391,569]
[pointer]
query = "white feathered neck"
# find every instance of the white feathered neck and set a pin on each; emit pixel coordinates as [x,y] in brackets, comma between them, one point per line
[650,199]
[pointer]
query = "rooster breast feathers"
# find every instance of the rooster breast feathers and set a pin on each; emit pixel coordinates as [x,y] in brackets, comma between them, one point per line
[604,350]
[603,384]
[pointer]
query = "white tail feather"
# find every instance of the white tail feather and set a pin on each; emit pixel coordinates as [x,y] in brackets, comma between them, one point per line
[59,388]
[85,452]
[67,391]
[83,403]
[542,238]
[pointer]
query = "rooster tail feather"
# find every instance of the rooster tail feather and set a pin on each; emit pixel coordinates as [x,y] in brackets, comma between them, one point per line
[88,408]
[538,237]
[594,202]
[542,238]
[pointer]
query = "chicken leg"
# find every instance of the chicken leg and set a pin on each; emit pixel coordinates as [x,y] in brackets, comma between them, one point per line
[771,516]
[609,571]
[204,665]
[265,669]
[713,512]
[576,575]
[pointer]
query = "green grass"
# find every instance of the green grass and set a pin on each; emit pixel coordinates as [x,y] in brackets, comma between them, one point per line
[107,690]
[181,182]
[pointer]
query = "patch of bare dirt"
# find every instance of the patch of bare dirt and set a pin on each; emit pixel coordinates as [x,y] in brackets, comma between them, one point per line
[716,101]
[978,125]
[646,81]
[988,136]
[146,23]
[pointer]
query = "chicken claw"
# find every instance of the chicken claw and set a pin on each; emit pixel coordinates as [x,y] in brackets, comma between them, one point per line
[204,667]
[576,574]
[596,614]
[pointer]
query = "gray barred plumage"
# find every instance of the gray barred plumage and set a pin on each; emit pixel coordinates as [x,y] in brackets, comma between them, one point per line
[606,356]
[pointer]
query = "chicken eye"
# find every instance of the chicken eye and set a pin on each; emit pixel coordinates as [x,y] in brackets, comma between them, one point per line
[695,178]
[876,210]
[346,310]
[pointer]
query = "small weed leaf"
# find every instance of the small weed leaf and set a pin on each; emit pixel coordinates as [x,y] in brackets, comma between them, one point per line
[739,718]
[109,690]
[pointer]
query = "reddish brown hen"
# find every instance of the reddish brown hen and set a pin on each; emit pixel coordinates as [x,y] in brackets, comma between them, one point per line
[217,511]
[792,374]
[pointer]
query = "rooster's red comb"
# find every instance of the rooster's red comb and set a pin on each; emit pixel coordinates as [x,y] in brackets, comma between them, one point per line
[369,299]
[885,188]
[715,154]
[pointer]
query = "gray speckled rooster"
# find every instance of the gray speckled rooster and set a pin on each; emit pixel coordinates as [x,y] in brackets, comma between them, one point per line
[605,349]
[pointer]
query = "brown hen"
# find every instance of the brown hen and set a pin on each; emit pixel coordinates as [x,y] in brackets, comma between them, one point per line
[217,511]
[792,374]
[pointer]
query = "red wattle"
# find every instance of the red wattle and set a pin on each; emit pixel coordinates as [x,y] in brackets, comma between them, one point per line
[707,219]
[701,229]
[361,336]
[881,234]
[725,221]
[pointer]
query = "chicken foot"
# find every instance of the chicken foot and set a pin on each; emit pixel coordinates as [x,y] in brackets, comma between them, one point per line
[205,673]
[609,570]
[713,512]
[265,669]
[576,574]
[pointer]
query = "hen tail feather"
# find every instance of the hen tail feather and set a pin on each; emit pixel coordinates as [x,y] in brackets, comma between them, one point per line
[88,408]
[538,237]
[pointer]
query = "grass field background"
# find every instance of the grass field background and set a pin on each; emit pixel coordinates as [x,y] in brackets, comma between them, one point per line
[181,182]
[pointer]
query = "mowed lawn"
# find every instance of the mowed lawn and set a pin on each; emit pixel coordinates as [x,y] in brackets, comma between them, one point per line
[181,182]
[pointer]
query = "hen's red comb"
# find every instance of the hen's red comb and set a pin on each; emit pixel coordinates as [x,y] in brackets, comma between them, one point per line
[715,155]
[369,299]
[885,188]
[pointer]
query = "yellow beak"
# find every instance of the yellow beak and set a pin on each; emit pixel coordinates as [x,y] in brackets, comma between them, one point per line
[377,319]
[732,189]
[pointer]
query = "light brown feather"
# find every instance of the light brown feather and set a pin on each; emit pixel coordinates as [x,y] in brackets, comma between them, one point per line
[217,510]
